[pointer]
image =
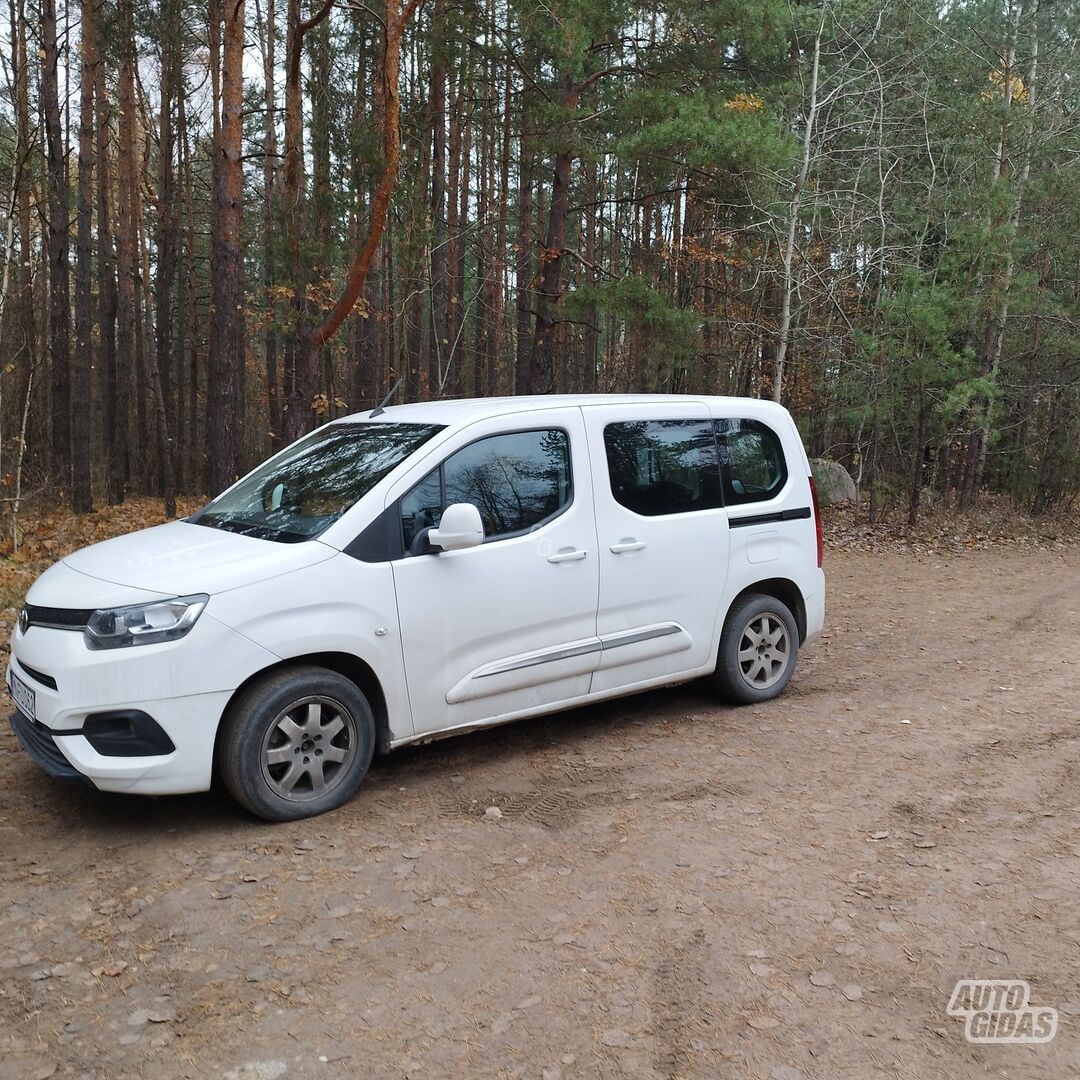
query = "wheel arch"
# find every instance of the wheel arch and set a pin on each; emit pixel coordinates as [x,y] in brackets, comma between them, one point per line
[783,589]
[349,666]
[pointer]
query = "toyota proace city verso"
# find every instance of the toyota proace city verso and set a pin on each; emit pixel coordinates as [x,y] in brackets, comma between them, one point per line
[420,571]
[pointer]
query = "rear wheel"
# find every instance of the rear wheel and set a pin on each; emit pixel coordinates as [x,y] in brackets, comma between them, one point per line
[297,743]
[758,649]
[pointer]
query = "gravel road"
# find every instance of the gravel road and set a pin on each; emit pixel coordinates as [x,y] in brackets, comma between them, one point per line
[668,888]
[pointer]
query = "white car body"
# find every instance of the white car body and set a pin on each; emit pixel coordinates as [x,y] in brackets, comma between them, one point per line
[595,602]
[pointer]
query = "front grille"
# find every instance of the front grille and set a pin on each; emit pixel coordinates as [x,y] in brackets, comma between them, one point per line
[38,676]
[57,618]
[41,746]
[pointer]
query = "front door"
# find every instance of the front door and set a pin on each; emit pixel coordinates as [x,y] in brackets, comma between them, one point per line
[662,535]
[508,627]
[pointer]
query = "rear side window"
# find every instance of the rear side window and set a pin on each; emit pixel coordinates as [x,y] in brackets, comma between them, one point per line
[662,467]
[752,465]
[517,481]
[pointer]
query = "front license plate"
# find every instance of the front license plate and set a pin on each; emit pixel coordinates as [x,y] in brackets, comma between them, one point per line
[23,695]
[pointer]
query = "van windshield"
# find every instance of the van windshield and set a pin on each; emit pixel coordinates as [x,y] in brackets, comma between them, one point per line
[305,489]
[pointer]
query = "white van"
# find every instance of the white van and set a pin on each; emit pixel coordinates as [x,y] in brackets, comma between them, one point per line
[424,570]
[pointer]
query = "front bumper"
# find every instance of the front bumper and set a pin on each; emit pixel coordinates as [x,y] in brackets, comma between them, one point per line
[191,724]
[184,686]
[40,744]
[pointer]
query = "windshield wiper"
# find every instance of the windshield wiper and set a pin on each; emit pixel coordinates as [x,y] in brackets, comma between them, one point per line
[256,529]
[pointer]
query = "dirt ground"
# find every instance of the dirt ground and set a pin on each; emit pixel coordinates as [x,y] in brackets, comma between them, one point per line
[674,888]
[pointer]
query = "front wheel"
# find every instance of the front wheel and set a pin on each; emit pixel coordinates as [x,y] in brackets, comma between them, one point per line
[758,649]
[297,743]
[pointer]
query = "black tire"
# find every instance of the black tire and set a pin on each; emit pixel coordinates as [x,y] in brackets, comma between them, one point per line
[746,678]
[282,753]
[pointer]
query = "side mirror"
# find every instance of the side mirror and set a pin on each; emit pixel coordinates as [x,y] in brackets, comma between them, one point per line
[460,527]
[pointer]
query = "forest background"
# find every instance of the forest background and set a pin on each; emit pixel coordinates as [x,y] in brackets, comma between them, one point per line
[225,224]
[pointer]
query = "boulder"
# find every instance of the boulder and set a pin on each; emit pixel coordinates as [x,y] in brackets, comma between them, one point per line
[833,482]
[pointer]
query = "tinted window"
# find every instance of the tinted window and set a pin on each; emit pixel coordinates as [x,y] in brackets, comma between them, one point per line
[751,461]
[304,490]
[663,466]
[516,481]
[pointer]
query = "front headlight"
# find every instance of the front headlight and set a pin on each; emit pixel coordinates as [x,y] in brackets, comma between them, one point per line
[144,624]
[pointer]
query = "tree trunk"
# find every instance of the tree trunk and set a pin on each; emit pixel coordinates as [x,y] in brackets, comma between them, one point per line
[321,204]
[364,355]
[543,377]
[193,423]
[112,441]
[142,452]
[440,332]
[589,337]
[227,332]
[24,349]
[461,244]
[59,302]
[451,362]
[486,262]
[168,240]
[994,337]
[81,491]
[523,268]
[301,360]
[787,280]
[1048,474]
[495,384]
[127,188]
[395,23]
[918,454]
[268,38]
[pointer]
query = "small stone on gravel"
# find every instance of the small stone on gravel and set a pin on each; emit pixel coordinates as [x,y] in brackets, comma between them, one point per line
[763,1023]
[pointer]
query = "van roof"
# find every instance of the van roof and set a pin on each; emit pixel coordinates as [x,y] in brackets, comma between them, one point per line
[462,410]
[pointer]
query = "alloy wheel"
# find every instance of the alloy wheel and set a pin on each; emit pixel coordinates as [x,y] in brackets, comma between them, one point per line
[307,749]
[764,650]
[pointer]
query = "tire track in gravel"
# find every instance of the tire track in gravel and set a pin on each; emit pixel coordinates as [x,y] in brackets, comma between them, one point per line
[680,1005]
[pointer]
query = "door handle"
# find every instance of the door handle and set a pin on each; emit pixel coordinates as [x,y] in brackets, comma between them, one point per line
[567,556]
[626,545]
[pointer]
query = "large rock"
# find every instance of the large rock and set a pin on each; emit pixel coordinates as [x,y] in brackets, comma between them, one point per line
[833,482]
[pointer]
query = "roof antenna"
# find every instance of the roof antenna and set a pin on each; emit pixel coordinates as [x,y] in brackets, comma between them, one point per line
[381,407]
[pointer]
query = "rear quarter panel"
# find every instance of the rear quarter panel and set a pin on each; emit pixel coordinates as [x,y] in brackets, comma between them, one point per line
[787,549]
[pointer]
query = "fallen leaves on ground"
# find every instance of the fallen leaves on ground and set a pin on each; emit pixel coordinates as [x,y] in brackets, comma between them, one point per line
[994,523]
